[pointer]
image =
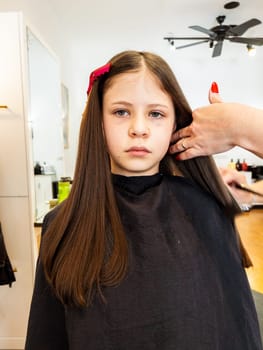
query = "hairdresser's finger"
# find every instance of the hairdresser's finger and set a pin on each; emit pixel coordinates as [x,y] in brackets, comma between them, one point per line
[213,95]
[187,154]
[231,176]
[180,146]
[175,148]
[180,134]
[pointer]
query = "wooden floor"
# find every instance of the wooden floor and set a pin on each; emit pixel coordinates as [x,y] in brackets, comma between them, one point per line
[250,226]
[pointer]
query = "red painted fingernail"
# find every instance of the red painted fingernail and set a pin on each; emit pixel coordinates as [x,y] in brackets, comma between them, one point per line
[214,87]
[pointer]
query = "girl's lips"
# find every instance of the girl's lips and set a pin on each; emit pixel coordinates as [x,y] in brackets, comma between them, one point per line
[138,151]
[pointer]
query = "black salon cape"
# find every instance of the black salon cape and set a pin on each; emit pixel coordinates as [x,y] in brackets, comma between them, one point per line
[185,289]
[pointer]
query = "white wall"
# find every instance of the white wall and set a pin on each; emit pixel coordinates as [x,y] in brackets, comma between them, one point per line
[123,25]
[240,79]
[140,25]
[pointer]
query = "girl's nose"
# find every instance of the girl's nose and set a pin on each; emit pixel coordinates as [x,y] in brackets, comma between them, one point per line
[139,128]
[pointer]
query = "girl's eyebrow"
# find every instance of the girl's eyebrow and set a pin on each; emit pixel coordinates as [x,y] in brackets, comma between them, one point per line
[152,105]
[156,105]
[122,103]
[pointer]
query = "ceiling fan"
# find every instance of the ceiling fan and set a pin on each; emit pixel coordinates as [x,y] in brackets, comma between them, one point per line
[219,33]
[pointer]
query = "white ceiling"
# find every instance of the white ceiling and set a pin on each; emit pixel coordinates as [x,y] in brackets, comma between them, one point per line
[96,30]
[107,22]
[86,33]
[76,29]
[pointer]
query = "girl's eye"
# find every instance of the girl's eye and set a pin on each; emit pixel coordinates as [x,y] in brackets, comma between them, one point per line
[156,114]
[121,113]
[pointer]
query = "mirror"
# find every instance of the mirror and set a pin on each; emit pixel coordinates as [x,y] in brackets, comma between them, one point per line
[46,119]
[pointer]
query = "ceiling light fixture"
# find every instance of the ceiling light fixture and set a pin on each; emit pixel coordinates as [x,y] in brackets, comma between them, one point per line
[216,35]
[251,50]
[172,46]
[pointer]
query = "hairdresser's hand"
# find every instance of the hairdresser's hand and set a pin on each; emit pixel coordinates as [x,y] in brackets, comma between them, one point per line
[230,178]
[209,133]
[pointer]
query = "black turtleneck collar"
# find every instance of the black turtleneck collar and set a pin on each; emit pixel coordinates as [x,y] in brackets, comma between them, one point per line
[136,184]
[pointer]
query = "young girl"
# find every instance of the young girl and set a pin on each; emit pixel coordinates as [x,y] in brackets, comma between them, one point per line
[143,254]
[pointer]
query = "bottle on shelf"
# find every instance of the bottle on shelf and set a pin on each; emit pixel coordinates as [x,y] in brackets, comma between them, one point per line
[64,186]
[238,165]
[38,169]
[231,164]
[244,165]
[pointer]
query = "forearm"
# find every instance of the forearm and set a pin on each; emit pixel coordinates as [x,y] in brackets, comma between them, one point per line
[258,187]
[247,127]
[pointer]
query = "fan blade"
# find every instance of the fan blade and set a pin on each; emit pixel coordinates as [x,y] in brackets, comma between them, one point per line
[192,44]
[169,38]
[252,41]
[204,30]
[218,48]
[242,28]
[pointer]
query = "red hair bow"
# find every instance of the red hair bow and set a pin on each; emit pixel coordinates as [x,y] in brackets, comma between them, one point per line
[96,74]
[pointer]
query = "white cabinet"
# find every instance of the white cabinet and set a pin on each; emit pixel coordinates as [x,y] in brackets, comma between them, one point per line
[17,193]
[43,194]
[13,160]
[16,182]
[15,302]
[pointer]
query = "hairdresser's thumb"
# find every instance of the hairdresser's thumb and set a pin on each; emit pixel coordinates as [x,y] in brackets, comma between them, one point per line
[213,95]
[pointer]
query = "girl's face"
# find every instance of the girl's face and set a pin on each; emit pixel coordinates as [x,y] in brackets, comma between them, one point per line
[138,121]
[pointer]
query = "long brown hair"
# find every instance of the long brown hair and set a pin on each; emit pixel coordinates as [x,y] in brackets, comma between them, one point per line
[84,247]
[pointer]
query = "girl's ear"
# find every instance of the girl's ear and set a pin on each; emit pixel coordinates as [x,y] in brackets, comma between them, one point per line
[174,128]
